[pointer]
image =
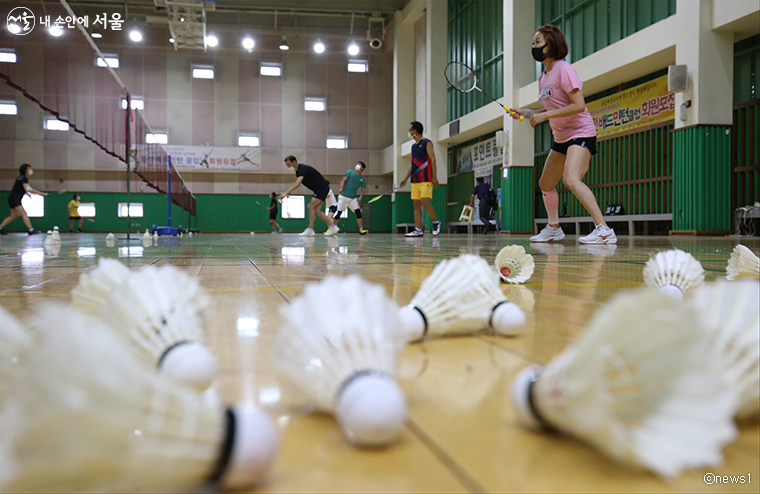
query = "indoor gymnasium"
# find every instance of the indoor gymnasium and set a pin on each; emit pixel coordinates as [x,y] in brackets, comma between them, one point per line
[380,246]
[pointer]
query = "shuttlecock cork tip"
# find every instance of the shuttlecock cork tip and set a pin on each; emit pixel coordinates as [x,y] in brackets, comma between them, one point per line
[190,363]
[255,445]
[522,401]
[412,323]
[508,319]
[371,409]
[672,291]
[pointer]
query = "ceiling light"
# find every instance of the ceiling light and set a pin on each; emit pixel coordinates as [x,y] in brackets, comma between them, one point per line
[284,45]
[135,36]
[96,33]
[56,31]
[319,47]
[353,49]
[212,41]
[248,44]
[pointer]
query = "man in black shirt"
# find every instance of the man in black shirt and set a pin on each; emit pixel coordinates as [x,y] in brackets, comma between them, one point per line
[313,180]
[481,191]
[20,187]
[273,208]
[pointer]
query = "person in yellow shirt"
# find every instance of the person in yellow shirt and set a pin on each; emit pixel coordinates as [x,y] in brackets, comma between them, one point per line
[74,214]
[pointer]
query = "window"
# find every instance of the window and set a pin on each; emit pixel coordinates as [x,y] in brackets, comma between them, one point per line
[156,138]
[337,143]
[52,123]
[293,207]
[86,209]
[8,108]
[271,69]
[358,66]
[137,104]
[111,60]
[34,205]
[7,55]
[314,104]
[135,210]
[252,141]
[203,72]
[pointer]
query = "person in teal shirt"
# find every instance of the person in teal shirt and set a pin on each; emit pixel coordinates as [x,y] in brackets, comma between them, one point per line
[352,184]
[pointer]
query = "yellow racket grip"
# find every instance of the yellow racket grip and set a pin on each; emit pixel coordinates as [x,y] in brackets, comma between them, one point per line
[512,112]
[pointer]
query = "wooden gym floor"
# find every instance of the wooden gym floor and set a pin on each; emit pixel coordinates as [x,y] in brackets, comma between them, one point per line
[462,434]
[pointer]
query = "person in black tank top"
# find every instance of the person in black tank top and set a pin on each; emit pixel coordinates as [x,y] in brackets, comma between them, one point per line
[20,188]
[314,181]
[424,178]
[273,209]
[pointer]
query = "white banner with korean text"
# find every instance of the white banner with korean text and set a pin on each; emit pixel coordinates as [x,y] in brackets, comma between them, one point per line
[481,157]
[200,158]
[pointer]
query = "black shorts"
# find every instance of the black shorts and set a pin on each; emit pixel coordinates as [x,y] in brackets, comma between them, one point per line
[273,214]
[585,142]
[14,201]
[321,194]
[75,218]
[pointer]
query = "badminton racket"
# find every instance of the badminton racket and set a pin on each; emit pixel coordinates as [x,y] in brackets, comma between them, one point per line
[462,78]
[62,191]
[377,198]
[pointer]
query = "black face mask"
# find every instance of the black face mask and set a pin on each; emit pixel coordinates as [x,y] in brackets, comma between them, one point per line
[538,53]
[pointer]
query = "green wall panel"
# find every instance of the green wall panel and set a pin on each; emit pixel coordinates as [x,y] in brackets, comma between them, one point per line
[745,155]
[702,179]
[475,38]
[590,25]
[215,213]
[460,187]
[517,200]
[403,208]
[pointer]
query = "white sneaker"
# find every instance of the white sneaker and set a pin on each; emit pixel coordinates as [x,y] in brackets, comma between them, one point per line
[549,234]
[436,227]
[332,230]
[309,232]
[416,233]
[601,235]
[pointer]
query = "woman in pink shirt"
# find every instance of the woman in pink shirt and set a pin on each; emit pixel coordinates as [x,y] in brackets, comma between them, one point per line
[560,91]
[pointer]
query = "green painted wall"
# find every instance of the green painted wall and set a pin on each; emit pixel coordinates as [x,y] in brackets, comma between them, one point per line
[403,208]
[517,200]
[591,25]
[475,38]
[702,179]
[215,212]
[747,70]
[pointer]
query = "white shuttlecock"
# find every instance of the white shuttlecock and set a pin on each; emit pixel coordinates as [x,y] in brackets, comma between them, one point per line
[674,273]
[514,265]
[146,236]
[110,236]
[461,296]
[731,314]
[48,238]
[253,233]
[88,416]
[743,263]
[14,344]
[56,234]
[641,384]
[160,309]
[343,356]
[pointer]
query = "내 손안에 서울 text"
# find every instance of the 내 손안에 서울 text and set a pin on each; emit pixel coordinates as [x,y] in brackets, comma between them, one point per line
[711,478]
